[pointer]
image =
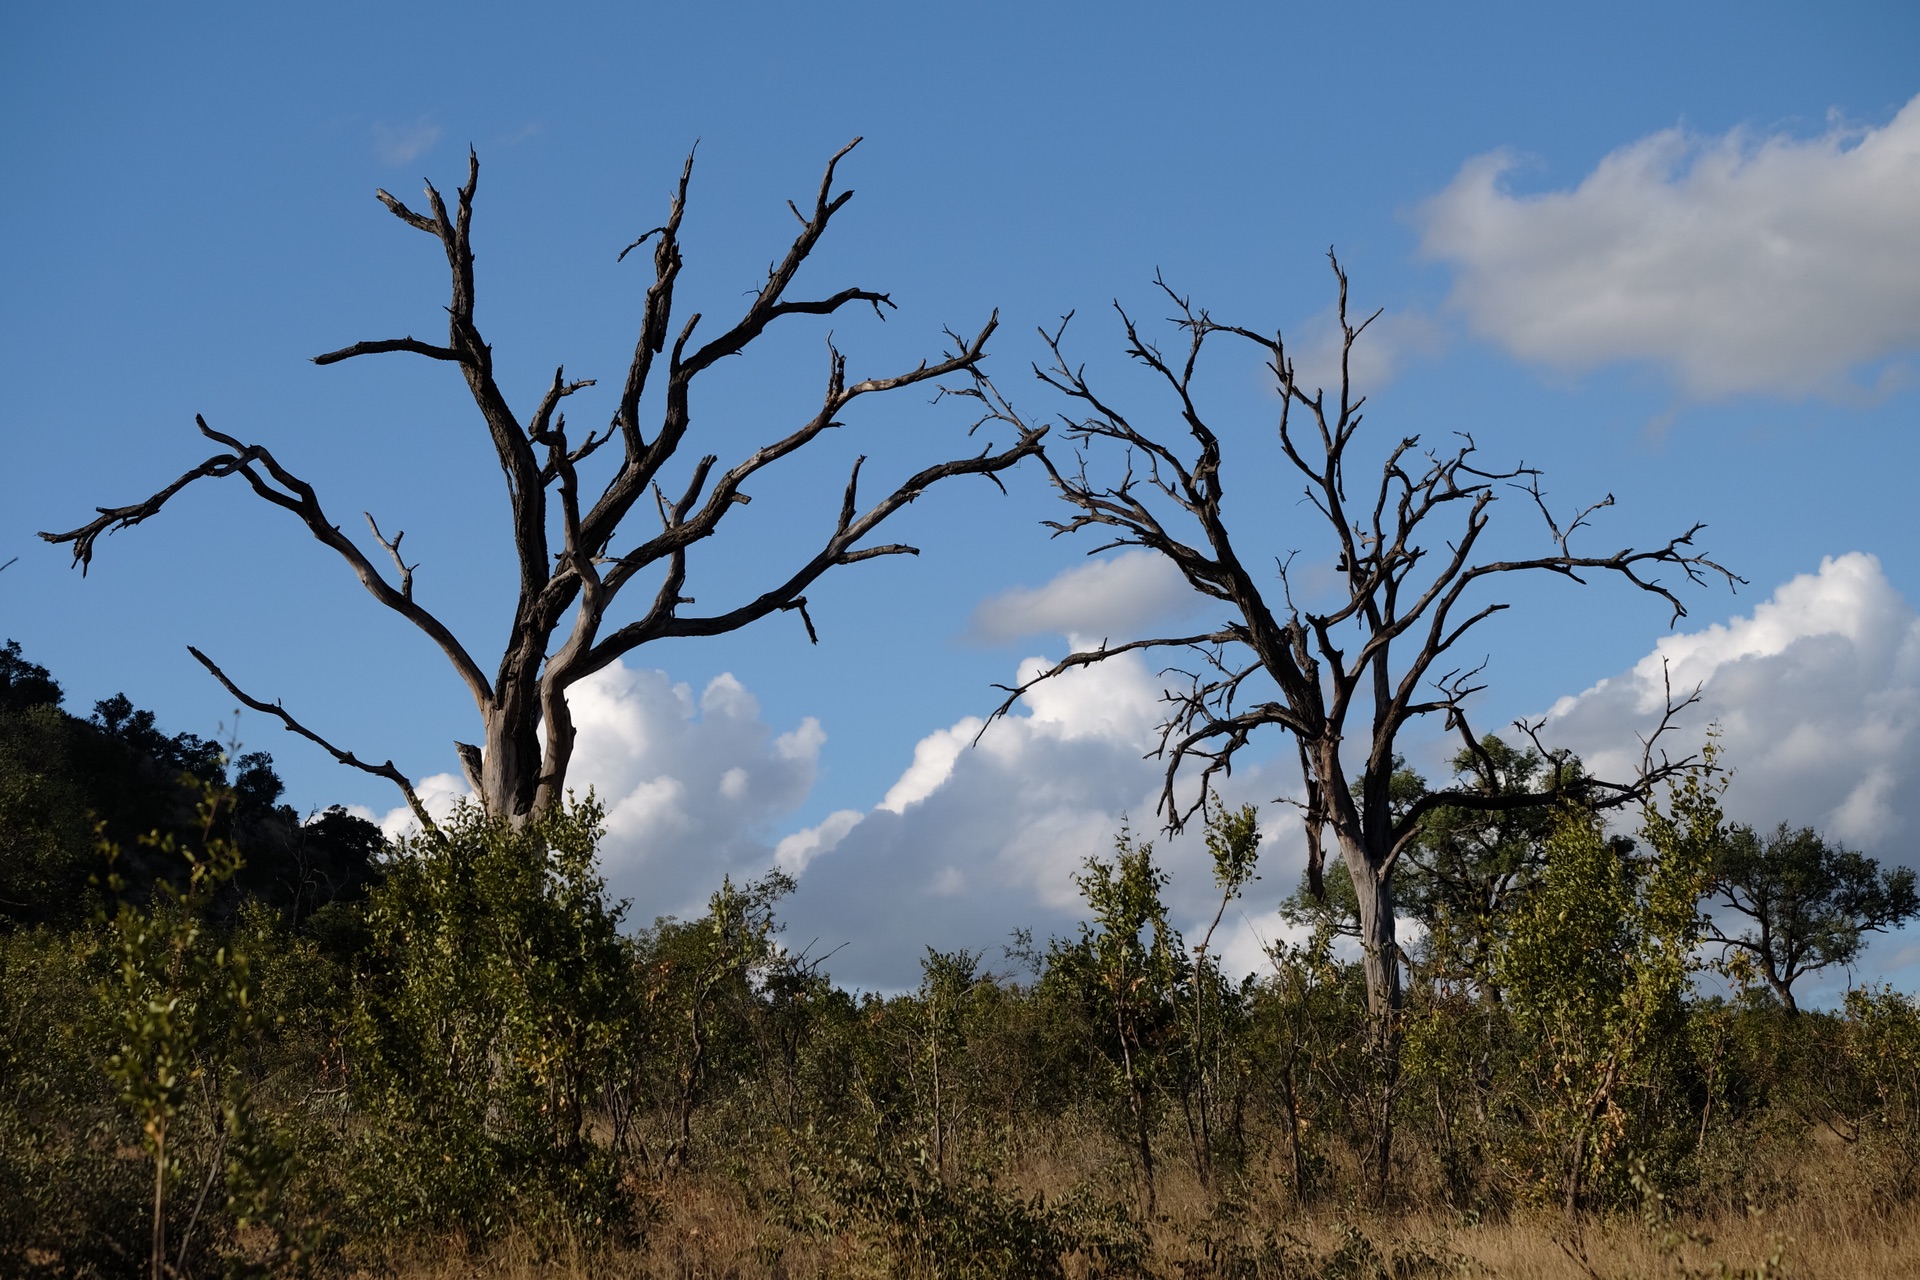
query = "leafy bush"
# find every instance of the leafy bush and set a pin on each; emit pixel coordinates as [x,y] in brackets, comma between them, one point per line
[1595,972]
[74,1196]
[492,1010]
[1882,1053]
[914,1222]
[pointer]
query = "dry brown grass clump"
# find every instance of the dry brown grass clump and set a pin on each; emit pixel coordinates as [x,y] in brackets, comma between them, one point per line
[707,1227]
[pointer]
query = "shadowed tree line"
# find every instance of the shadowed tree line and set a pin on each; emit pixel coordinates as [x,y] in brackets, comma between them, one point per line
[69,784]
[237,1041]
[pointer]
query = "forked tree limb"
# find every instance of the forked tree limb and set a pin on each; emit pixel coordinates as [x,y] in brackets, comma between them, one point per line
[572,554]
[1404,530]
[277,711]
[664,619]
[298,497]
[393,549]
[690,526]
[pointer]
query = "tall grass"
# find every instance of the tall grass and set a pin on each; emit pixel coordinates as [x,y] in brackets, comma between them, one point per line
[712,1224]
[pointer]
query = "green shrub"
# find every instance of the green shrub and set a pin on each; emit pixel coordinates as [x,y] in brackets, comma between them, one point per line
[1595,972]
[1882,1054]
[914,1222]
[491,1015]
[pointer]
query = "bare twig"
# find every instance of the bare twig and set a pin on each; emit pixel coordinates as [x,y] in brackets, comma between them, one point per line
[384,770]
[393,549]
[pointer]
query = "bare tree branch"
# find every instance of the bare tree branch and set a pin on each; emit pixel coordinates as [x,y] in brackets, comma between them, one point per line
[297,496]
[389,344]
[383,770]
[393,549]
[572,558]
[1403,530]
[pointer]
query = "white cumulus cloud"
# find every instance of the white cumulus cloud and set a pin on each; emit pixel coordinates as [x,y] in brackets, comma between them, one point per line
[1742,263]
[1117,597]
[976,840]
[439,794]
[795,851]
[693,789]
[1817,694]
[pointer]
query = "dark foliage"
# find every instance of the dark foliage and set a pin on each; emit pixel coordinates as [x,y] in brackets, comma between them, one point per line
[69,784]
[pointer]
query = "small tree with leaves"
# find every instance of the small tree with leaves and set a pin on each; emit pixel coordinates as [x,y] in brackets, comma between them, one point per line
[493,1009]
[1595,968]
[1129,965]
[181,1002]
[1216,1011]
[1805,904]
[700,986]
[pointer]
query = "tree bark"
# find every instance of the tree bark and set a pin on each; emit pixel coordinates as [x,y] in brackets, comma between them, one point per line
[1379,945]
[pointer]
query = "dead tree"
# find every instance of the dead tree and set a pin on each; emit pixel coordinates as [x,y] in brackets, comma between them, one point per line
[573,558]
[1345,681]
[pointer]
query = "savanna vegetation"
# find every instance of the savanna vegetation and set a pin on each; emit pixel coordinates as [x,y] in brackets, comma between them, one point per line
[241,1041]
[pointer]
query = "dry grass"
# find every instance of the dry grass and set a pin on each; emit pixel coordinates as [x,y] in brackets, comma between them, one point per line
[1808,1241]
[711,1237]
[703,1228]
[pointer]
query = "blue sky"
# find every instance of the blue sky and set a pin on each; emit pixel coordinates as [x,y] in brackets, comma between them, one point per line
[1664,252]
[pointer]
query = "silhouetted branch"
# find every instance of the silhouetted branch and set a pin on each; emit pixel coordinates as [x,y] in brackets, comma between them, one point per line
[1402,533]
[384,770]
[560,630]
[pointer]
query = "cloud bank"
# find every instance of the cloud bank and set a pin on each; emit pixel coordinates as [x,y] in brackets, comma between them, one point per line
[974,841]
[1817,695]
[1739,263]
[1817,692]
[693,788]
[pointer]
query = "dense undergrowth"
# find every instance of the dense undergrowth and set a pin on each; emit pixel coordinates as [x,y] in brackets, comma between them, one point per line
[245,1044]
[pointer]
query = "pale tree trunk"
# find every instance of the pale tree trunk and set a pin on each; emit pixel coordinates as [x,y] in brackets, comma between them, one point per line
[1380,960]
[1380,950]
[505,774]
